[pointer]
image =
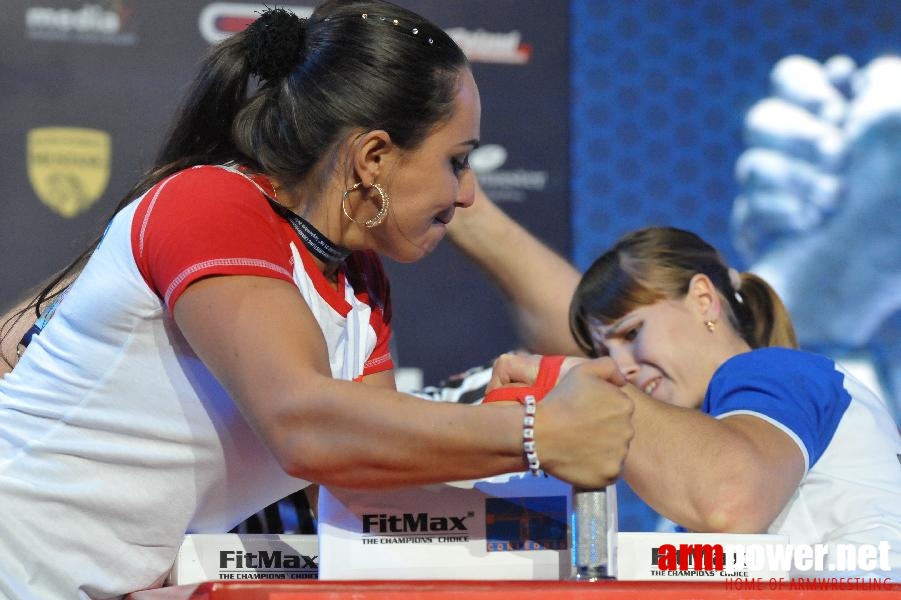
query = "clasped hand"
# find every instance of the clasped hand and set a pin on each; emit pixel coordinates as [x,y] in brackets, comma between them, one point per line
[584,424]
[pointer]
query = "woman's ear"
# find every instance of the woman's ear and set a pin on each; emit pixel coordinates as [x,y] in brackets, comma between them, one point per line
[369,153]
[703,297]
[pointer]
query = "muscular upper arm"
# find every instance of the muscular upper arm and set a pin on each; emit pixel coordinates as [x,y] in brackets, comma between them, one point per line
[261,341]
[773,463]
[733,474]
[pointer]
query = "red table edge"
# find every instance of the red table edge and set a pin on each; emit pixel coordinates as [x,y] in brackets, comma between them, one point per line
[486,590]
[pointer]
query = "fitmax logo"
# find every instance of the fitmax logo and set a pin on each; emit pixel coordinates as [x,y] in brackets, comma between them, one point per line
[412,523]
[265,560]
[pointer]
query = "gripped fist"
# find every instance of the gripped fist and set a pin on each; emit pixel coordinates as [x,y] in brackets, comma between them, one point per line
[522,369]
[584,425]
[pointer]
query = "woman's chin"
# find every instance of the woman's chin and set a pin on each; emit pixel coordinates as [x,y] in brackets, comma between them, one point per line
[410,255]
[409,248]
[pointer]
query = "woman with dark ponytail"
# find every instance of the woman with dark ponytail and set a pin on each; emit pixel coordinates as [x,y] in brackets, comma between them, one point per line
[736,430]
[226,341]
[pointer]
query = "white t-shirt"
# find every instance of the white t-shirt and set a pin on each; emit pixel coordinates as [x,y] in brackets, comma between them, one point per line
[851,489]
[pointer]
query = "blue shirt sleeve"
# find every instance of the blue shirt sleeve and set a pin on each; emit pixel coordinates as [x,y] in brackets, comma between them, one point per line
[799,392]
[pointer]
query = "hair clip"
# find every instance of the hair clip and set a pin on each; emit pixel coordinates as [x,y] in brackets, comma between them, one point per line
[414,31]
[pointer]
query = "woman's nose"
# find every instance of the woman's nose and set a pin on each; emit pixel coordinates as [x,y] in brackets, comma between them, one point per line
[466,192]
[622,356]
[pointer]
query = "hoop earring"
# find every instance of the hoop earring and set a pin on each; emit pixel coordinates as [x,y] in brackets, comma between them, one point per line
[711,325]
[383,209]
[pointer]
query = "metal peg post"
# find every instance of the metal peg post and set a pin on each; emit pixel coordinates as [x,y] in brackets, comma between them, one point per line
[594,534]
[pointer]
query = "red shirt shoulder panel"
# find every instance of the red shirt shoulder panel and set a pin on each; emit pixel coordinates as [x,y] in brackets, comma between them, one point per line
[204,221]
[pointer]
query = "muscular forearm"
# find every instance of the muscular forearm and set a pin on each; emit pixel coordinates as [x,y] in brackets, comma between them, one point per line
[272,359]
[356,436]
[538,282]
[708,474]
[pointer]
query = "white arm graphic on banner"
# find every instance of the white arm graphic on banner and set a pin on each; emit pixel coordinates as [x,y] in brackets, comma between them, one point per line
[820,211]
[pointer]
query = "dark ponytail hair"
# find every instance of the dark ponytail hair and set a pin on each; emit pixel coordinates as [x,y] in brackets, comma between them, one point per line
[657,263]
[359,64]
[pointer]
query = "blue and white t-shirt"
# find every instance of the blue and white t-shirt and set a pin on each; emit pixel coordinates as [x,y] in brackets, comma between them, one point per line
[851,489]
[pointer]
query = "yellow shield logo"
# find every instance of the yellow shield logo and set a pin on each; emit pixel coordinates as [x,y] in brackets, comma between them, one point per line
[68,167]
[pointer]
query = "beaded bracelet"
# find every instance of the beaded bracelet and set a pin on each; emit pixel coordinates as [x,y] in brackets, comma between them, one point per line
[528,435]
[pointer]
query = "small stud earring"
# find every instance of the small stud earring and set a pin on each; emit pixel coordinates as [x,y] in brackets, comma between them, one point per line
[711,325]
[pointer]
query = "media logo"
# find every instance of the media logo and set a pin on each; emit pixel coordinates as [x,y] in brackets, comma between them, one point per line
[91,23]
[68,167]
[219,20]
[482,46]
